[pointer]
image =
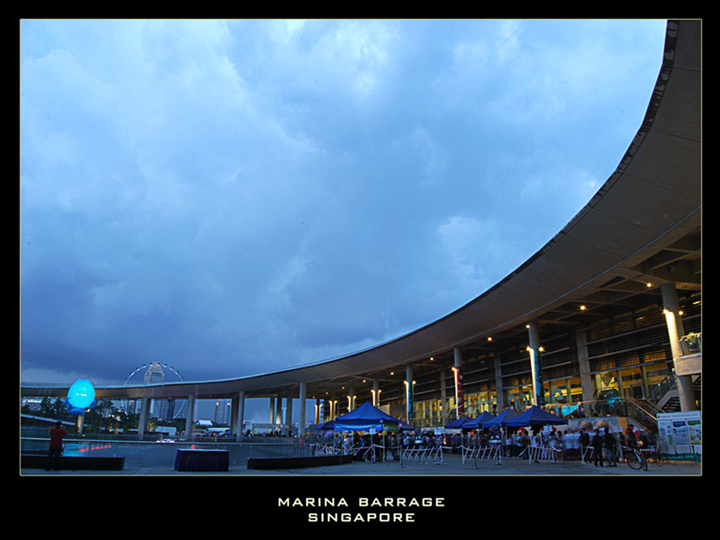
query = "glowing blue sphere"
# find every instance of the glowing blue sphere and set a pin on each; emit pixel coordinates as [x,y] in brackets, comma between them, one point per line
[81,394]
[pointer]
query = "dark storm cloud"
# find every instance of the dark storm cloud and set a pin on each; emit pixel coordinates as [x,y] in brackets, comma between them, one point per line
[233,197]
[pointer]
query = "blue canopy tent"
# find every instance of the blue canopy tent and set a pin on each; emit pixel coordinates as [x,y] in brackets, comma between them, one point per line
[404,426]
[535,416]
[365,418]
[458,423]
[501,419]
[328,429]
[477,423]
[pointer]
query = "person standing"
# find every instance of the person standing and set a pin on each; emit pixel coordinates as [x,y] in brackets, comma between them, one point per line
[524,444]
[517,444]
[611,448]
[584,443]
[56,446]
[597,445]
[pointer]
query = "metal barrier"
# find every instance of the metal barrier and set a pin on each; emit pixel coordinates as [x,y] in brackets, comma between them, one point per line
[543,453]
[494,452]
[475,453]
[328,450]
[372,452]
[422,454]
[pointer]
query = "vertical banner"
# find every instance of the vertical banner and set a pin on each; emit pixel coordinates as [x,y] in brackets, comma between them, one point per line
[459,398]
[409,390]
[536,371]
[409,400]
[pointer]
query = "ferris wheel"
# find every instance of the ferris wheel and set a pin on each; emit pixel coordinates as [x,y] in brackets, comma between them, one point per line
[155,373]
[153,370]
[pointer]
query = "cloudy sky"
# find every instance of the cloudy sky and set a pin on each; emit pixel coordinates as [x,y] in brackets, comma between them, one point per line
[236,197]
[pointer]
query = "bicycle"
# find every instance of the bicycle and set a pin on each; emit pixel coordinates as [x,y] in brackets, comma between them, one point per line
[634,458]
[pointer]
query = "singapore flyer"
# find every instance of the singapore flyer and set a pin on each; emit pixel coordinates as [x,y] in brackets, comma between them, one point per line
[154,374]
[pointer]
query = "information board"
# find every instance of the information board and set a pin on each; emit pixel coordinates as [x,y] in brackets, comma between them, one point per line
[680,434]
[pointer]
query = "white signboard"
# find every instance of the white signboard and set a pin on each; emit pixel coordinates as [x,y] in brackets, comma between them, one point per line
[680,433]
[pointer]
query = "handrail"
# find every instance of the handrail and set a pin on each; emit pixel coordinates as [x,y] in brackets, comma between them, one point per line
[642,411]
[662,388]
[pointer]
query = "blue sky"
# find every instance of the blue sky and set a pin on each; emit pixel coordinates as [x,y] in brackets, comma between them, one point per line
[236,197]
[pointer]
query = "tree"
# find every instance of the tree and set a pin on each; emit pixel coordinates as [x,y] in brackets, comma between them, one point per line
[54,409]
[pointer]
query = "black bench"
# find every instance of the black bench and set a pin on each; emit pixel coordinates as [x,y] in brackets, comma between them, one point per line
[72,463]
[194,459]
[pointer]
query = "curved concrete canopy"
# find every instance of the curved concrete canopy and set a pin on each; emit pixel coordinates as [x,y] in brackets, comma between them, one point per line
[650,204]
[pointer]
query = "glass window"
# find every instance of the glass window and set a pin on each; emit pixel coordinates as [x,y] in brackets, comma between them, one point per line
[632,383]
[519,397]
[558,392]
[576,391]
[655,375]
[608,401]
[606,385]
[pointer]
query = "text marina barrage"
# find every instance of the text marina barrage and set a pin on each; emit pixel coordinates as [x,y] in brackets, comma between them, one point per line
[363,502]
[367,510]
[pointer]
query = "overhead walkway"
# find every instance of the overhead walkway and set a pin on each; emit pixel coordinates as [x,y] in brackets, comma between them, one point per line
[636,243]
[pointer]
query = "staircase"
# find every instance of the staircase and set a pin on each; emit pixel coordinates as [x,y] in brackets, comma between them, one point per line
[670,402]
[644,412]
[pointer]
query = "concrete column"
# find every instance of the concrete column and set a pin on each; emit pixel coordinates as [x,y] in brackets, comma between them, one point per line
[443,396]
[234,415]
[686,393]
[272,410]
[144,410]
[302,399]
[376,393]
[289,412]
[588,390]
[499,393]
[238,416]
[351,398]
[459,395]
[190,414]
[278,410]
[535,368]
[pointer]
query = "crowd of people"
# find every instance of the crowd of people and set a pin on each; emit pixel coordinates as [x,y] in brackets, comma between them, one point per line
[600,444]
[597,444]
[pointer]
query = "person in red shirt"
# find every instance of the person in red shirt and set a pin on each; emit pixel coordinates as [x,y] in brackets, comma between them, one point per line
[56,446]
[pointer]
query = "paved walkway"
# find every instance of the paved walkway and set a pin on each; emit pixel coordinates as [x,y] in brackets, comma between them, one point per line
[159,459]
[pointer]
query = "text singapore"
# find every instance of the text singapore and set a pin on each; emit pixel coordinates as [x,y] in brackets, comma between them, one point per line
[374,504]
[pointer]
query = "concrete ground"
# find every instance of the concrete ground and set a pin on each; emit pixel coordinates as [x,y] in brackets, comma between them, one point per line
[159,460]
